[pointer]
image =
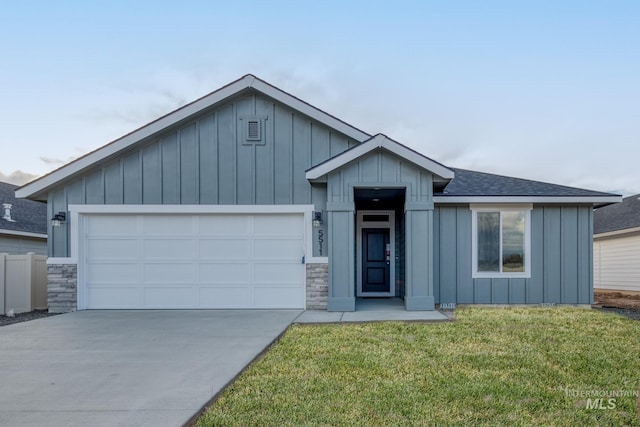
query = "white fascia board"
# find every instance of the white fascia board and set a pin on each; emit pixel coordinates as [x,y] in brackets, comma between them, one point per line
[617,232]
[23,234]
[341,159]
[379,141]
[188,209]
[527,199]
[309,110]
[248,81]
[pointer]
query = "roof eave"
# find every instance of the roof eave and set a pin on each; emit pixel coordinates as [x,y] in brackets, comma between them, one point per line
[594,200]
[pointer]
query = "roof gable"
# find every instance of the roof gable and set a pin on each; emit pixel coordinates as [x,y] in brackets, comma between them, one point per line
[379,141]
[38,187]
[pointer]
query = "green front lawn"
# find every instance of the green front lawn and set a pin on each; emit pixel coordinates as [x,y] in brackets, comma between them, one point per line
[513,366]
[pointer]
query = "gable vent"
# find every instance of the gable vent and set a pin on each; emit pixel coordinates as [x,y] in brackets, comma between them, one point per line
[253,130]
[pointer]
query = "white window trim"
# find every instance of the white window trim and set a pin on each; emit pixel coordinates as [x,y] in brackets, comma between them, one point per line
[526,208]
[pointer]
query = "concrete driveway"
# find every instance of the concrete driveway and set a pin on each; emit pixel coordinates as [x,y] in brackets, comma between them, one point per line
[126,368]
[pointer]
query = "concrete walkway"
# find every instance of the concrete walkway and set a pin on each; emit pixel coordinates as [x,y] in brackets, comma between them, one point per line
[126,368]
[371,310]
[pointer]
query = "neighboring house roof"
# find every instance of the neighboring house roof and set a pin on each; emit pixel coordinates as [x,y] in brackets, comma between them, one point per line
[621,216]
[37,189]
[376,142]
[29,217]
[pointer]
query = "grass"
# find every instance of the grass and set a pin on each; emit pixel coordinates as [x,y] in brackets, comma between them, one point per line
[511,366]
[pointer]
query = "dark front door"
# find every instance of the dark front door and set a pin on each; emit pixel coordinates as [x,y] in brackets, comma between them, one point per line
[375,260]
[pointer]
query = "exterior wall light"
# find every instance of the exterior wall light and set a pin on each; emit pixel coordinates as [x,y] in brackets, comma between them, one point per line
[317,218]
[58,219]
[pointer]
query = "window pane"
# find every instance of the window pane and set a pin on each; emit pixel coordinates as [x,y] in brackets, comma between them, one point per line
[488,241]
[513,242]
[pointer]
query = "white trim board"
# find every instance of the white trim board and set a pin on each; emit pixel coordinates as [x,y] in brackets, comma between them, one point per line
[35,189]
[379,141]
[23,234]
[527,199]
[617,232]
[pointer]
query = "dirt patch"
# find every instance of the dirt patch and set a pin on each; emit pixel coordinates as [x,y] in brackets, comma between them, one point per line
[617,299]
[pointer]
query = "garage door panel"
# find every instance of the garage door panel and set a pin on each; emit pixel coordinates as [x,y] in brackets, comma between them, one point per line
[277,248]
[169,249]
[224,225]
[278,225]
[113,273]
[275,273]
[168,225]
[224,248]
[194,261]
[169,297]
[169,273]
[278,297]
[225,297]
[225,273]
[107,225]
[114,297]
[112,248]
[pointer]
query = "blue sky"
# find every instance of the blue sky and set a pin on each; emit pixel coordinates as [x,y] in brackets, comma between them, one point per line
[544,90]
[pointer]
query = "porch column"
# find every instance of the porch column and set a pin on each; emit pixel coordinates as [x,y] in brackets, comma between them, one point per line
[341,224]
[419,256]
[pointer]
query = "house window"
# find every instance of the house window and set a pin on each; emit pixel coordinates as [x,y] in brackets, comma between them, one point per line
[501,241]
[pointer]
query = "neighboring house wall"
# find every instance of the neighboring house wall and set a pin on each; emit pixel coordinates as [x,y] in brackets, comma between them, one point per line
[561,254]
[616,262]
[19,245]
[208,160]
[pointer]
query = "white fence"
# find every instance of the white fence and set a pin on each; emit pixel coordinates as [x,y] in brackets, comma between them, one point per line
[23,282]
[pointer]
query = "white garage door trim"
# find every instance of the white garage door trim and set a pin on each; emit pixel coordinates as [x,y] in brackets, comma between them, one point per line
[78,213]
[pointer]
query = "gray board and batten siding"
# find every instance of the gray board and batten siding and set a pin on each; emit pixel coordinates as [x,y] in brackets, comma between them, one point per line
[561,259]
[208,160]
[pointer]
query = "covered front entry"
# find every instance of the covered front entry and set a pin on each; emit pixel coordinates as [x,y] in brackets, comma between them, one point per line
[376,176]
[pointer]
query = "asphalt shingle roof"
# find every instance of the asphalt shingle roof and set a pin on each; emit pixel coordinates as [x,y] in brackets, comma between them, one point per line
[472,183]
[29,216]
[617,217]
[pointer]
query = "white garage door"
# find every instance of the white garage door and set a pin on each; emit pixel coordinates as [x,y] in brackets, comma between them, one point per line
[193,261]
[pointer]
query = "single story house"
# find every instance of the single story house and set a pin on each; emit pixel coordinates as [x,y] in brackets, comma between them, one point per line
[616,245]
[23,223]
[252,198]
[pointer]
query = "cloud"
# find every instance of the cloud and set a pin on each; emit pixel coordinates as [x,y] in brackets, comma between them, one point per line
[50,161]
[17,177]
